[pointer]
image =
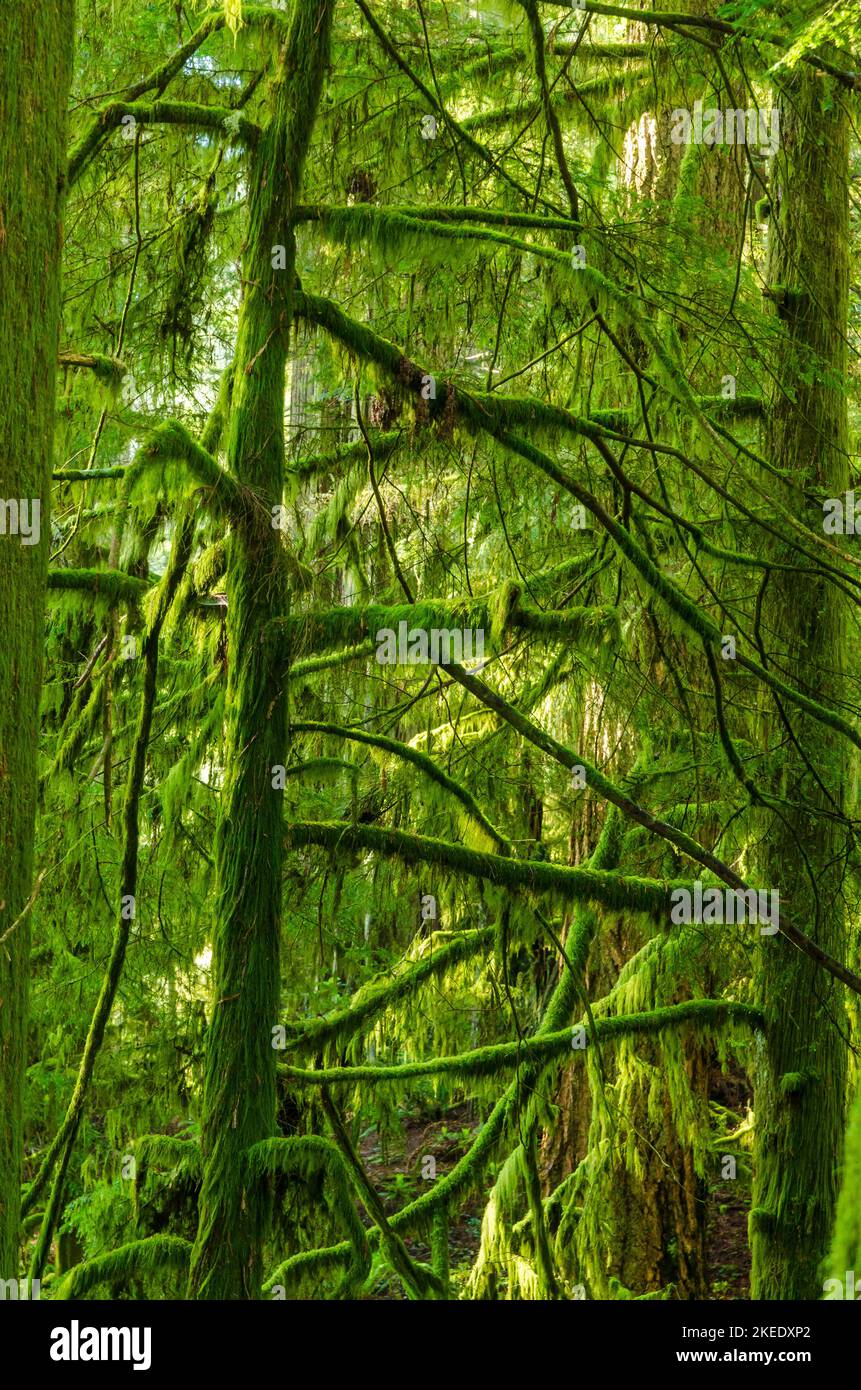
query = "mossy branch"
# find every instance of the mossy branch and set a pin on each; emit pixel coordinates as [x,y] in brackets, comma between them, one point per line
[419,1281]
[109,370]
[100,126]
[114,586]
[378,995]
[184,113]
[541,1048]
[319,630]
[308,1159]
[613,890]
[411,755]
[487,412]
[172,443]
[139,1257]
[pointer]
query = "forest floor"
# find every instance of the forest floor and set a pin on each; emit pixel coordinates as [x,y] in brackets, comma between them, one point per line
[727,1252]
[396,1170]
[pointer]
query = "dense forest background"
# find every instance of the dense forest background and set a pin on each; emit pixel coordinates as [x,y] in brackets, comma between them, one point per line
[429,698]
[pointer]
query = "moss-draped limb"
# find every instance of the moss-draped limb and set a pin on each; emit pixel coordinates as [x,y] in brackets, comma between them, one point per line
[312,1159]
[408,754]
[466,1172]
[480,414]
[548,1283]
[88,475]
[173,444]
[99,127]
[551,116]
[482,409]
[184,113]
[491,217]
[309,665]
[114,586]
[77,727]
[501,415]
[622,799]
[239,1102]
[418,1213]
[681,21]
[631,894]
[378,995]
[336,627]
[845,1253]
[492,63]
[109,370]
[434,104]
[309,465]
[603,785]
[139,1257]
[543,1047]
[440,1261]
[367,226]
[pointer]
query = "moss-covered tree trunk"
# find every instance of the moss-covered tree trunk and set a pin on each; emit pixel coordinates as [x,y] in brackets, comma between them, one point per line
[239,1098]
[36,45]
[799,1099]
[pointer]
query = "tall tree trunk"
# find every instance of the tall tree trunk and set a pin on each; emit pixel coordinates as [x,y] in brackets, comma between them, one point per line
[239,1095]
[800,1092]
[36,46]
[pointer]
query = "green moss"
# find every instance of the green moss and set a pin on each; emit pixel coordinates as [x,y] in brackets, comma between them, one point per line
[110,586]
[489,1061]
[305,1160]
[239,1082]
[615,890]
[36,53]
[845,1252]
[139,1257]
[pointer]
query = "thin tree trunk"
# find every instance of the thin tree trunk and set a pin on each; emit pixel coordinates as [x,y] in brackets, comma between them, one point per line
[240,1094]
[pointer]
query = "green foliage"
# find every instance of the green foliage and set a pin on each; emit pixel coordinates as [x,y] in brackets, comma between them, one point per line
[382,315]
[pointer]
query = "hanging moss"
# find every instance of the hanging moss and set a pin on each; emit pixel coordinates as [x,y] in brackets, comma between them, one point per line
[417,759]
[239,1086]
[305,1160]
[137,1259]
[317,631]
[171,446]
[489,1061]
[377,996]
[613,890]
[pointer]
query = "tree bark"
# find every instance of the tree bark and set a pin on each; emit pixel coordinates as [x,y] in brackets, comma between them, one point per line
[239,1085]
[799,1099]
[36,47]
